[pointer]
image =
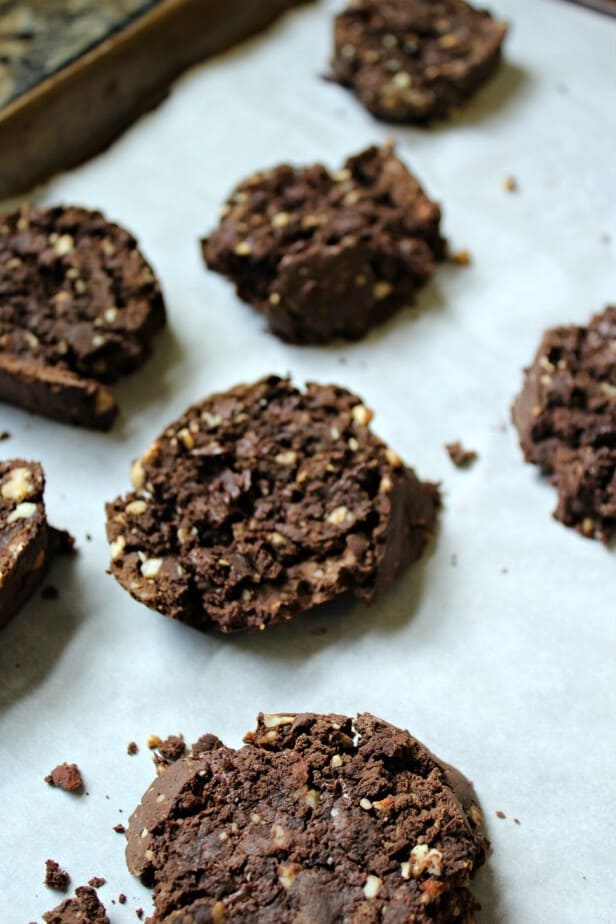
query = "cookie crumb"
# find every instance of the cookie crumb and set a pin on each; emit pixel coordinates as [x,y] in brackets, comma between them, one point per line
[119,829]
[122,898]
[154,741]
[511,184]
[4,435]
[84,908]
[67,777]
[139,913]
[173,747]
[205,744]
[500,814]
[97,881]
[132,747]
[88,537]
[461,258]
[50,593]
[517,821]
[170,750]
[461,458]
[55,877]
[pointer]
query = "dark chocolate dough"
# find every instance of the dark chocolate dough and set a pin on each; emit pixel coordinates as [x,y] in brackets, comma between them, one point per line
[85,908]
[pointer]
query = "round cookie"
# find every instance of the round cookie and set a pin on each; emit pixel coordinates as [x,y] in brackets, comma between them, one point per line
[326,256]
[414,60]
[264,501]
[566,420]
[318,818]
[79,306]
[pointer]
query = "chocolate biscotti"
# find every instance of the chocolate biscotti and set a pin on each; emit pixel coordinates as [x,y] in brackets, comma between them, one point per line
[79,306]
[264,501]
[328,255]
[415,60]
[27,542]
[317,818]
[566,420]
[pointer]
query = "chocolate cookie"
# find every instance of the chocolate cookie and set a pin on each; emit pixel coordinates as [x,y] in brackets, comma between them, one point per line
[264,501]
[566,419]
[27,542]
[326,255]
[85,908]
[79,306]
[414,60]
[318,818]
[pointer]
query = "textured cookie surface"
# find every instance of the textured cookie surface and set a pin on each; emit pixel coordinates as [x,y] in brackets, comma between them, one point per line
[318,818]
[414,60]
[566,419]
[78,308]
[84,908]
[265,501]
[327,256]
[26,540]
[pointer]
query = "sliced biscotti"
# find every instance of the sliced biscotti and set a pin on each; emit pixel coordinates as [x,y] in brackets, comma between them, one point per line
[79,306]
[264,501]
[318,818]
[84,908]
[27,542]
[566,420]
[328,255]
[415,60]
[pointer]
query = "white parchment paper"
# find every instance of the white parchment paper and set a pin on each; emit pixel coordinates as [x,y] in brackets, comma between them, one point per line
[504,663]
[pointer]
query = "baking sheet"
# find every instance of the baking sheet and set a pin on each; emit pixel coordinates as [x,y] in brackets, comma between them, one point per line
[503,662]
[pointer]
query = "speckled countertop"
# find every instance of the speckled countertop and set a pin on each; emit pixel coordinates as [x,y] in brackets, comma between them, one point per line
[39,37]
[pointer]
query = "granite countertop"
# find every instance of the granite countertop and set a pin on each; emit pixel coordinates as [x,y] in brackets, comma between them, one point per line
[39,37]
